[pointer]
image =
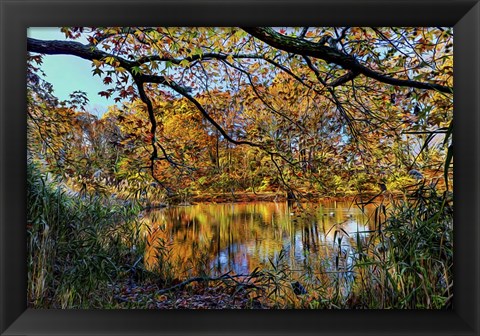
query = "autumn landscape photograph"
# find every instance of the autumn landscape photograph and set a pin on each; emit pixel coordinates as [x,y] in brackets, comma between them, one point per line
[240,167]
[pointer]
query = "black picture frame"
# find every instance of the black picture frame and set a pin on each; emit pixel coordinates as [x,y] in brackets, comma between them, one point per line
[16,16]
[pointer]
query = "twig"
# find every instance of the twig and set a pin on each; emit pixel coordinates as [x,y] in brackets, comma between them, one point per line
[222,277]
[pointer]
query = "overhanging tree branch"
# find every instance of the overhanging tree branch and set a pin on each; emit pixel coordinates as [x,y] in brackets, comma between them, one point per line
[335,56]
[78,49]
[89,52]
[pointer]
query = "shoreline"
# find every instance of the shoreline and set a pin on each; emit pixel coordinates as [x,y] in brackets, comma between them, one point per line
[280,197]
[243,197]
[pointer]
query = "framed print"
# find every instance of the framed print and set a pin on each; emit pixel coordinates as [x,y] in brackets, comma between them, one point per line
[251,167]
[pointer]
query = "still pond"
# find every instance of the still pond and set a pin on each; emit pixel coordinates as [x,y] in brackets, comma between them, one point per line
[212,239]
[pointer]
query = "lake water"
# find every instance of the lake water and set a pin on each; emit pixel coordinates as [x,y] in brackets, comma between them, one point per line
[239,237]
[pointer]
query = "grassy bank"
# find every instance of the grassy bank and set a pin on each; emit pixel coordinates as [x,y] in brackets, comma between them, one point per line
[77,246]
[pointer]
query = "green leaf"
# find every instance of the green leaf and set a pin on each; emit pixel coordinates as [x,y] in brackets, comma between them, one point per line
[136,70]
[97,71]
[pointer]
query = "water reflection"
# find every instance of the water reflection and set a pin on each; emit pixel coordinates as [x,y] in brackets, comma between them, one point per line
[216,238]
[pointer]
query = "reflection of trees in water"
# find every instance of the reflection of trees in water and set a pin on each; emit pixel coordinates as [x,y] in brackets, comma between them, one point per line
[240,237]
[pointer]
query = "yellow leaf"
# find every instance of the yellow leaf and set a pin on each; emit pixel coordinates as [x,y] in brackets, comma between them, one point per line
[184,63]
[97,63]
[109,59]
[254,66]
[312,77]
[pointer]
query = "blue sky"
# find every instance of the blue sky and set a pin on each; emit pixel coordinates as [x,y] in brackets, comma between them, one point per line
[70,73]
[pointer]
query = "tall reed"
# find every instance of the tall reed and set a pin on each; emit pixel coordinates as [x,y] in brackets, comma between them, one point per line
[78,247]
